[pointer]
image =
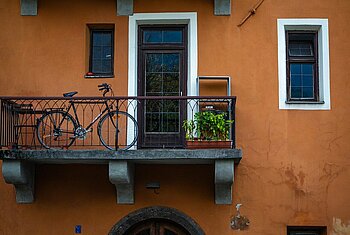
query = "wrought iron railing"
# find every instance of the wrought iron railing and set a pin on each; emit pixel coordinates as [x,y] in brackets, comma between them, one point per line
[99,122]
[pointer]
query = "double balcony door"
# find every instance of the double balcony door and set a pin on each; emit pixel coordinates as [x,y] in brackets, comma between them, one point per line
[162,72]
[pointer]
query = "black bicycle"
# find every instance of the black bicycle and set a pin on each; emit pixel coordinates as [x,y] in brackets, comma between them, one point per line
[57,128]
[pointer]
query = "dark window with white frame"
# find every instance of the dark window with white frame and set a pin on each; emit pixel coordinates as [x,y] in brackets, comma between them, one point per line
[308,42]
[306,230]
[302,66]
[101,59]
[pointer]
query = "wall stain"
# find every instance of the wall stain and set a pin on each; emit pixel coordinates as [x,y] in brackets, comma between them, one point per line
[295,181]
[340,228]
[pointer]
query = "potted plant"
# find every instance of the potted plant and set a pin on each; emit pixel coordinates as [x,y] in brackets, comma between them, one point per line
[208,130]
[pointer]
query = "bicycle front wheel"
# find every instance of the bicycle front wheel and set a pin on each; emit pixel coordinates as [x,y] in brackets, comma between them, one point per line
[118,130]
[55,130]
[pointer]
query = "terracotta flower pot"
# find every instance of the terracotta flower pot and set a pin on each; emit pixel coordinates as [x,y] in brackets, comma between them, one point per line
[208,144]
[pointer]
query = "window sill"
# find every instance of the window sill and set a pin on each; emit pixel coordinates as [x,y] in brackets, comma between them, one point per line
[304,102]
[99,76]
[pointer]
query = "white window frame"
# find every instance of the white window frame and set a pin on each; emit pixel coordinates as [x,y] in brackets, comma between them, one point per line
[321,26]
[189,18]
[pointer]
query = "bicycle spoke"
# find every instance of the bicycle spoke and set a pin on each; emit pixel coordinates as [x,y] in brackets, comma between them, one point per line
[56,129]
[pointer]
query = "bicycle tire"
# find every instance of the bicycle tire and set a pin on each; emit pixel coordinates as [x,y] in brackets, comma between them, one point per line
[107,130]
[52,137]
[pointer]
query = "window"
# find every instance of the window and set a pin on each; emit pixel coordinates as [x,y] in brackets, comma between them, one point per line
[308,230]
[101,59]
[303,64]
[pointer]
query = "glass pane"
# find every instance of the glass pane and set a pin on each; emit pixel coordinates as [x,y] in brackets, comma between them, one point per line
[153,83]
[308,80]
[170,122]
[296,92]
[96,52]
[295,80]
[106,66]
[308,92]
[97,38]
[300,49]
[153,106]
[172,36]
[154,62]
[107,52]
[106,38]
[295,68]
[152,36]
[307,69]
[162,36]
[96,66]
[171,106]
[153,122]
[171,84]
[171,62]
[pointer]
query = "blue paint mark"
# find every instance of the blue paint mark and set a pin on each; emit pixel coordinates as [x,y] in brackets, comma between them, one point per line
[77,229]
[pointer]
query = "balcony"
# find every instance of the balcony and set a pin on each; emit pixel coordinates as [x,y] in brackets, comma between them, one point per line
[118,131]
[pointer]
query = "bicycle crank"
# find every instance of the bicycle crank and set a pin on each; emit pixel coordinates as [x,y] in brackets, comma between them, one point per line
[81,133]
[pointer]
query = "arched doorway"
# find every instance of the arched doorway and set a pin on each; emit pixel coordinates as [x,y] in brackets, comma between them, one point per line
[157,227]
[156,221]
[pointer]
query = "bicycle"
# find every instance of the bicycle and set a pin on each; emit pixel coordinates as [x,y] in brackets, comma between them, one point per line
[57,128]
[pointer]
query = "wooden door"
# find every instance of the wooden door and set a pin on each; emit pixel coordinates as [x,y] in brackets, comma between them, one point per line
[157,228]
[162,72]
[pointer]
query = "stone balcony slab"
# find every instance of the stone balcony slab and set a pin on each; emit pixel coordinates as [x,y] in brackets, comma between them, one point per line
[19,167]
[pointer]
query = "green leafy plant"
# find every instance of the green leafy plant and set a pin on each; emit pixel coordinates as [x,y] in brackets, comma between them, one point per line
[189,127]
[208,125]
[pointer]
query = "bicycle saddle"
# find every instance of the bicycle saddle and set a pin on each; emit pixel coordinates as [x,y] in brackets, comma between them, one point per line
[70,94]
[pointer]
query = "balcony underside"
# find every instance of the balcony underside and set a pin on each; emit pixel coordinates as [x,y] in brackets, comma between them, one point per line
[18,167]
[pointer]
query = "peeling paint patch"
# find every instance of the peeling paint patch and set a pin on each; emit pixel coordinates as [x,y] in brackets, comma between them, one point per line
[340,228]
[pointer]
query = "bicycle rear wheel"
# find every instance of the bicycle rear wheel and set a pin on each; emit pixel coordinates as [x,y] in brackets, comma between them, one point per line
[118,130]
[55,130]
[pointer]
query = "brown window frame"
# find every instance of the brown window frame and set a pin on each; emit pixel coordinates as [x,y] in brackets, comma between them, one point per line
[303,59]
[106,29]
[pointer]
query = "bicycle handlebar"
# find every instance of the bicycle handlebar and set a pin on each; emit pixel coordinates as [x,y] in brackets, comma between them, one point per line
[105,88]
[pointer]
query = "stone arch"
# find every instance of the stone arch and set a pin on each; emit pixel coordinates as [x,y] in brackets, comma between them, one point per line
[155,213]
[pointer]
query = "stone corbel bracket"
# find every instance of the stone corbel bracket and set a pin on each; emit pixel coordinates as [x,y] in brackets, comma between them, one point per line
[121,174]
[224,177]
[21,174]
[29,7]
[125,7]
[222,7]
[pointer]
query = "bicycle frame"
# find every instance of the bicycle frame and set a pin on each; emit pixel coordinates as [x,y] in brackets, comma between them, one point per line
[107,109]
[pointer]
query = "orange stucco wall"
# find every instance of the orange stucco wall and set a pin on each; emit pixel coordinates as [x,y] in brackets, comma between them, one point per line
[295,168]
